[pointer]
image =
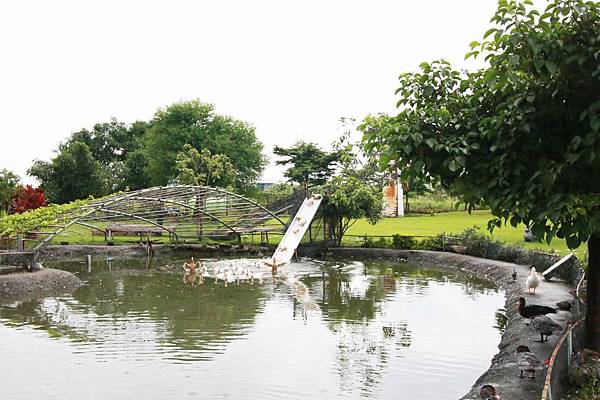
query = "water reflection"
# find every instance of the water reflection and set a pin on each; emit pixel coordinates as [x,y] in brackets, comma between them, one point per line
[366,330]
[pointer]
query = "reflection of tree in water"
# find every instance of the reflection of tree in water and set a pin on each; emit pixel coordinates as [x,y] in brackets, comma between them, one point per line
[50,314]
[351,300]
[351,304]
[501,320]
[194,319]
[417,279]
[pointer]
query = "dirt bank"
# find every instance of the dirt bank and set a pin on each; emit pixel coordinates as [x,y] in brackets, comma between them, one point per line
[503,370]
[40,282]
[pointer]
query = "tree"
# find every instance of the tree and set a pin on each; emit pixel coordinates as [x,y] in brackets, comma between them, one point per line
[197,124]
[135,166]
[347,199]
[112,144]
[522,134]
[8,183]
[309,165]
[73,174]
[27,198]
[204,169]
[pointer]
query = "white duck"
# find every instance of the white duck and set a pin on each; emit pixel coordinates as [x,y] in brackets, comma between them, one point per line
[219,274]
[533,280]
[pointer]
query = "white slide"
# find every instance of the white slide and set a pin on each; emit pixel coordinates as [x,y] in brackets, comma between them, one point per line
[295,232]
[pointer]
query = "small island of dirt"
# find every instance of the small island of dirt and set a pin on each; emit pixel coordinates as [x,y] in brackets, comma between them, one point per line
[36,283]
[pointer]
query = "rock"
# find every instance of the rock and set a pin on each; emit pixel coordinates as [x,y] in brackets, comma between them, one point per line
[458,249]
[584,368]
[564,305]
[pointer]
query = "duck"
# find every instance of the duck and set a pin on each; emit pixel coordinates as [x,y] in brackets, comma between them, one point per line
[229,277]
[190,267]
[533,281]
[219,274]
[527,362]
[489,392]
[533,310]
[528,236]
[545,326]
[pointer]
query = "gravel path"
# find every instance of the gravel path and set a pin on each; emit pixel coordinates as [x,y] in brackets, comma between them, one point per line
[503,371]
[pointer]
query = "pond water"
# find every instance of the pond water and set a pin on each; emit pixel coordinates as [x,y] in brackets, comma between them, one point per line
[320,330]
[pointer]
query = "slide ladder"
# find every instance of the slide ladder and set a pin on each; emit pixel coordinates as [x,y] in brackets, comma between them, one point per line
[295,232]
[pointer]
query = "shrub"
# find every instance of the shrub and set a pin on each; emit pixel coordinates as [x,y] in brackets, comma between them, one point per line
[27,198]
[435,243]
[403,242]
[380,243]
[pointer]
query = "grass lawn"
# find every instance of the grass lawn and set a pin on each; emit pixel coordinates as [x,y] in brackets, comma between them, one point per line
[452,222]
[411,225]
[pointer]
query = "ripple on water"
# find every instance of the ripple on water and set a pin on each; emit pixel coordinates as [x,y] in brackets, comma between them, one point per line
[321,330]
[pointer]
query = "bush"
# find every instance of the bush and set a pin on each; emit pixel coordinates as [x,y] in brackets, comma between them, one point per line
[590,391]
[403,242]
[476,243]
[435,243]
[380,243]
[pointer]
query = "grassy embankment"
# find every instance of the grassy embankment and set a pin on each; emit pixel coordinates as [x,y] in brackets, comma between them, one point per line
[450,222]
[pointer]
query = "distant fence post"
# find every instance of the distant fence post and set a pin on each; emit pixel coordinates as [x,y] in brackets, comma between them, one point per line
[20,243]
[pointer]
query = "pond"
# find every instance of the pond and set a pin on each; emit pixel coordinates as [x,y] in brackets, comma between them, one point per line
[320,330]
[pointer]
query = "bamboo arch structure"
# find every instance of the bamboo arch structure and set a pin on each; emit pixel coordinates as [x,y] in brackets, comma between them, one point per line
[181,211]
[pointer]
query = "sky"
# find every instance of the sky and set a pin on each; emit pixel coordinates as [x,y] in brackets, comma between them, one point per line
[290,68]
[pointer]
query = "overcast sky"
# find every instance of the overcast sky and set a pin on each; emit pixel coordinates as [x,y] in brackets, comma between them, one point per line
[291,68]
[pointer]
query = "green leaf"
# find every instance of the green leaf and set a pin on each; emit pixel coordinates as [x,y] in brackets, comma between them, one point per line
[573,242]
[595,123]
[551,66]
[515,221]
[452,166]
[489,32]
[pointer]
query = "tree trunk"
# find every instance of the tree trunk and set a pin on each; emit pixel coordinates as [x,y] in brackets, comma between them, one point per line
[592,317]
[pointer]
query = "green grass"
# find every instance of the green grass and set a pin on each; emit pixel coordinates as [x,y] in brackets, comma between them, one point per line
[451,222]
[410,225]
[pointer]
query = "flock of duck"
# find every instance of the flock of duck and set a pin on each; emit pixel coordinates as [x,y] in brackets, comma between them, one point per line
[527,362]
[196,272]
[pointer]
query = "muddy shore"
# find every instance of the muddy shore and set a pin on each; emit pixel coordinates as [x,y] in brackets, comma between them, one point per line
[25,285]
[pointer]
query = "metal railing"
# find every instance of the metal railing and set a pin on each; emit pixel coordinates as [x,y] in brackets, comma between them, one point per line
[569,344]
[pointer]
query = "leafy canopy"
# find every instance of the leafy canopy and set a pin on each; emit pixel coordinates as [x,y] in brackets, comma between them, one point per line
[204,169]
[8,184]
[308,164]
[354,193]
[521,134]
[196,123]
[73,174]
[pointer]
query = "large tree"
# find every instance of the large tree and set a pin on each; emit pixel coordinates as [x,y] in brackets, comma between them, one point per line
[308,164]
[8,184]
[522,134]
[73,174]
[117,148]
[197,124]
